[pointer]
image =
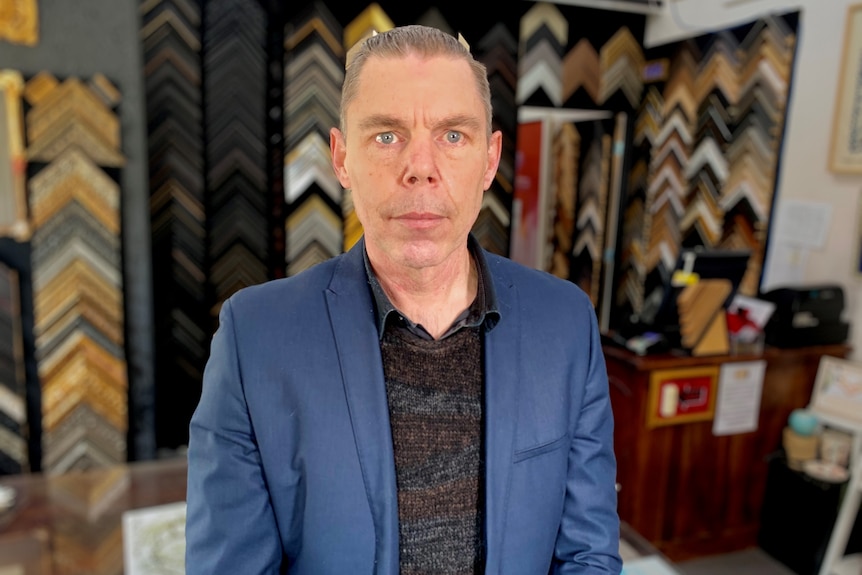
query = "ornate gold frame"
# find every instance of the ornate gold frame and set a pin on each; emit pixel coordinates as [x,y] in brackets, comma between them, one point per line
[19,22]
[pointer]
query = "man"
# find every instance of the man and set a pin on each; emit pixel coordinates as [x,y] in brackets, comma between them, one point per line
[416,405]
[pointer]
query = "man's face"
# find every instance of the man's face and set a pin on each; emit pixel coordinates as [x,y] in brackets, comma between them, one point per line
[416,157]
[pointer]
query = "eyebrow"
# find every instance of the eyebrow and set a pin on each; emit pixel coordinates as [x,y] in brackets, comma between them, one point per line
[387,122]
[380,122]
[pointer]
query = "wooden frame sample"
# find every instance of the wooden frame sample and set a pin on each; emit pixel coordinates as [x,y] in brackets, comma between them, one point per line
[681,395]
[845,155]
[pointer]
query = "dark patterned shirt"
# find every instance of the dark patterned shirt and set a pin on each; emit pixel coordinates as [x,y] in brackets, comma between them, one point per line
[435,394]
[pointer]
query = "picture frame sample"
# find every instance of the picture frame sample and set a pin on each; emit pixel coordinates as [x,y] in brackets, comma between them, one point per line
[526,238]
[19,22]
[838,389]
[13,162]
[681,395]
[845,156]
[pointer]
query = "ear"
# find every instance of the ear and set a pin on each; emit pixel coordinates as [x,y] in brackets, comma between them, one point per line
[495,148]
[338,151]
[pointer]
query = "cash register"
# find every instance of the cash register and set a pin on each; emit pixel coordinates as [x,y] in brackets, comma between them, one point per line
[806,316]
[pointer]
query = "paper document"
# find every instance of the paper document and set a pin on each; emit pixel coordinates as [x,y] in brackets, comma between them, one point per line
[737,406]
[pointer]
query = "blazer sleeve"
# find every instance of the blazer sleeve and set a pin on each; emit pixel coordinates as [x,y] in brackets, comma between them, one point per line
[588,539]
[230,524]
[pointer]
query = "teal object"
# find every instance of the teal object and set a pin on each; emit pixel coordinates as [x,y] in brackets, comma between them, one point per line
[803,421]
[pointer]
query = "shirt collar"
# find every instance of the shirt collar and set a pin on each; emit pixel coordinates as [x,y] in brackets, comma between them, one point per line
[483,310]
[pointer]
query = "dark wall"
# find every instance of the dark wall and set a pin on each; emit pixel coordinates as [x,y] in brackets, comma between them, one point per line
[81,38]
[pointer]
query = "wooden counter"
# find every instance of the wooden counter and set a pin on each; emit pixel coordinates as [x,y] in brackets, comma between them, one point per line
[688,492]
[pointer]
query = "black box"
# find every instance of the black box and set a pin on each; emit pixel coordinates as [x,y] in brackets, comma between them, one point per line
[806,316]
[797,518]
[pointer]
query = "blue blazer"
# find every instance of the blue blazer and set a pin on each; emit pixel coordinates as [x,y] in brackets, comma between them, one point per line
[290,452]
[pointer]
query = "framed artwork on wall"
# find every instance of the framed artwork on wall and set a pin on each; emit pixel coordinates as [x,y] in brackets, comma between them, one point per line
[846,149]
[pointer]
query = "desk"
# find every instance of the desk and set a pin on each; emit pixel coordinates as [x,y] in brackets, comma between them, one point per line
[71,524]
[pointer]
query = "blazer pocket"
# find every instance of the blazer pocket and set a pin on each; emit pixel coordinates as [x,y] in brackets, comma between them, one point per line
[540,449]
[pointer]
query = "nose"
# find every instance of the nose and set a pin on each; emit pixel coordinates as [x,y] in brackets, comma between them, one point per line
[420,161]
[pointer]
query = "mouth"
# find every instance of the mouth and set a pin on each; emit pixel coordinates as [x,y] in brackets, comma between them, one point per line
[419,220]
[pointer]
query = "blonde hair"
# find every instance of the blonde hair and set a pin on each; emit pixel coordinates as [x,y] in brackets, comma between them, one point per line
[402,41]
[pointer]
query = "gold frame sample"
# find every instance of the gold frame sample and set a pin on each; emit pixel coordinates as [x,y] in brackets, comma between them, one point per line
[19,22]
[13,159]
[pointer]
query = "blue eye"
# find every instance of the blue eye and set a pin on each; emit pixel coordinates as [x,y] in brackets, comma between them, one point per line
[452,136]
[386,138]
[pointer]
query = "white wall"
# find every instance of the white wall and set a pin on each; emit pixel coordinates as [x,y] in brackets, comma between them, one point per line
[803,174]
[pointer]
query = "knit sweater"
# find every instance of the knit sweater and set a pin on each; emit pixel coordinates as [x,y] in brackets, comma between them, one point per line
[434,390]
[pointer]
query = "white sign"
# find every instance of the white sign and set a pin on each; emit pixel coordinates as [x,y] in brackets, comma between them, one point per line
[737,405]
[803,223]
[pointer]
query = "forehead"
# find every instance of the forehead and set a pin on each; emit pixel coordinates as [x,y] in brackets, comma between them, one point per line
[413,83]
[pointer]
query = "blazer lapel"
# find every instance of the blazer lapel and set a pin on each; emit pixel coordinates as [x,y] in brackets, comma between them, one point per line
[502,368]
[352,316]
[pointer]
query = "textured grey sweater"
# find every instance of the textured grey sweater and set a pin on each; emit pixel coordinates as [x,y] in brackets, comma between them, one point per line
[435,405]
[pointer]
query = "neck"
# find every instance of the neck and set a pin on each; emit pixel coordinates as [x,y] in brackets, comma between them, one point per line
[431,296]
